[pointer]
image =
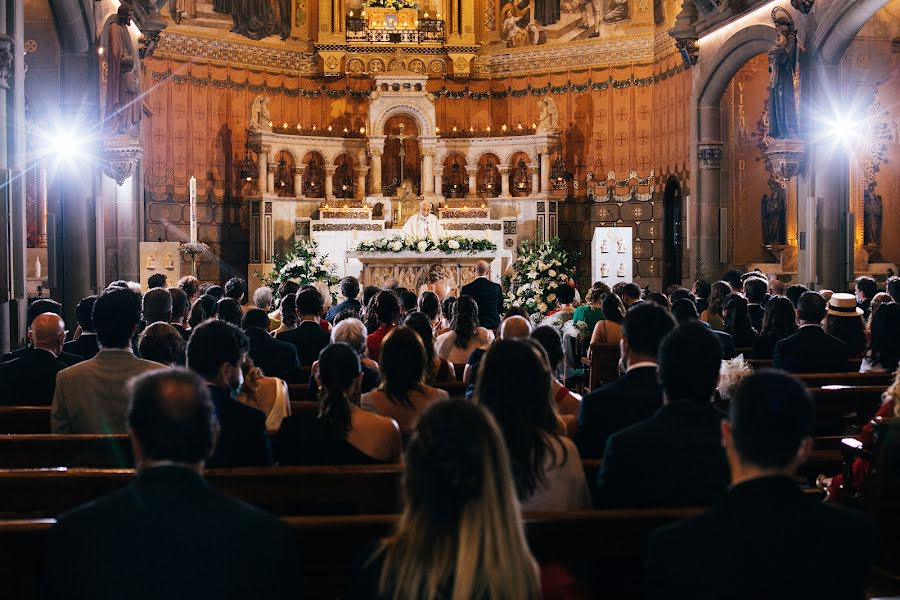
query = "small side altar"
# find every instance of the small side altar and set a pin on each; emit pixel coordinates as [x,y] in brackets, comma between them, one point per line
[415,269]
[390,18]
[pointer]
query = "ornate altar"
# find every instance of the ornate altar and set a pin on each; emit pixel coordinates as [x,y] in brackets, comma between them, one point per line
[389,18]
[414,269]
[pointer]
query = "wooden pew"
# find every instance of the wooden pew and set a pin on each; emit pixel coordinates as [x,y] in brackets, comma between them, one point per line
[24,419]
[817,380]
[602,549]
[845,409]
[603,365]
[762,363]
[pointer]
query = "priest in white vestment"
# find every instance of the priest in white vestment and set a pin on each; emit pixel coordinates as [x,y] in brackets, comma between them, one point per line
[423,224]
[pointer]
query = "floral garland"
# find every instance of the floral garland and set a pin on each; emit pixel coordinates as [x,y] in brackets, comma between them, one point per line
[302,264]
[454,244]
[394,4]
[538,271]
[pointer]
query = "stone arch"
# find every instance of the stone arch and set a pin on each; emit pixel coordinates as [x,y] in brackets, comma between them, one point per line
[482,153]
[507,158]
[840,24]
[349,156]
[424,122]
[290,151]
[729,58]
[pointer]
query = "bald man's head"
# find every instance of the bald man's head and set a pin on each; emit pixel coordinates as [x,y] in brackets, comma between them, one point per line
[48,331]
[482,268]
[515,328]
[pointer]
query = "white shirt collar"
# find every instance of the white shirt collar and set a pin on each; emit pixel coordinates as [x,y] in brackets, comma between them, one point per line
[811,325]
[642,364]
[125,349]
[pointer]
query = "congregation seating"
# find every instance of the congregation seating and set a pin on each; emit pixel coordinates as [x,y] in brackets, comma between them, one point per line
[602,549]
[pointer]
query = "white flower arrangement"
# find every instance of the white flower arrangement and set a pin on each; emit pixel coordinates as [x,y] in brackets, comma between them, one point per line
[302,264]
[539,271]
[456,244]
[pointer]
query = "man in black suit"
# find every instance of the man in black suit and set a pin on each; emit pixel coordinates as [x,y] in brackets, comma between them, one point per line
[811,349]
[350,291]
[157,280]
[180,310]
[86,345]
[274,357]
[487,295]
[39,307]
[637,395]
[156,306]
[168,534]
[685,311]
[308,337]
[675,457]
[766,539]
[755,288]
[866,288]
[30,380]
[631,295]
[215,352]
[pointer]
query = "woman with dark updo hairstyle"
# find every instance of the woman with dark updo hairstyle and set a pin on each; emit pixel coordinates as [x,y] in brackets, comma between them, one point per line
[779,321]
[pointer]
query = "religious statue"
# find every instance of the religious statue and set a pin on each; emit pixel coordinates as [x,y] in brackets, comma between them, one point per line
[123,88]
[548,118]
[620,245]
[782,63]
[773,209]
[151,262]
[604,270]
[621,271]
[546,12]
[604,245]
[260,117]
[253,18]
[804,6]
[423,224]
[872,217]
[169,262]
[618,11]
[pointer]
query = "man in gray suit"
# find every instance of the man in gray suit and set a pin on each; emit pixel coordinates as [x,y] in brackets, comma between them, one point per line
[92,396]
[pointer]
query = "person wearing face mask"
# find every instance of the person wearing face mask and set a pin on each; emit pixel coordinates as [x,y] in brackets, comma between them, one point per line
[216,351]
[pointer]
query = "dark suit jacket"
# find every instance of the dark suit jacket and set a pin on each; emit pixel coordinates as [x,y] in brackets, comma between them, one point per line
[276,358]
[765,540]
[756,312]
[674,458]
[309,338]
[811,350]
[29,380]
[615,406]
[243,441]
[489,297]
[345,305]
[85,346]
[169,535]
[67,358]
[185,333]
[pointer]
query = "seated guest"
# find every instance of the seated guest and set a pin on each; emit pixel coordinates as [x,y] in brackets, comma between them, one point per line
[447,305]
[408,302]
[515,385]
[714,315]
[286,288]
[369,292]
[325,293]
[160,342]
[609,329]
[276,358]
[486,294]
[879,299]
[460,534]
[631,295]
[765,524]
[779,322]
[156,306]
[465,333]
[660,300]
[385,310]
[229,310]
[179,311]
[734,278]
[350,291]
[637,395]
[216,352]
[811,350]
[565,402]
[680,293]
[30,380]
[794,292]
[403,394]
[737,321]
[263,298]
[776,287]
[755,289]
[308,337]
[684,311]
[168,520]
[91,397]
[565,295]
[352,332]
[203,309]
[287,318]
[215,291]
[883,353]
[236,289]
[39,307]
[85,343]
[675,457]
[513,327]
[157,280]
[190,285]
[430,306]
[893,288]
[865,290]
[340,432]
[846,322]
[701,290]
[591,312]
[268,395]
[438,369]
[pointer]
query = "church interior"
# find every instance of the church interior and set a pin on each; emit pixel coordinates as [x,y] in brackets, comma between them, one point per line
[510,291]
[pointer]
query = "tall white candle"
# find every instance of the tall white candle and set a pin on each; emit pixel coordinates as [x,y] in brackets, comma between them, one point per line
[193,210]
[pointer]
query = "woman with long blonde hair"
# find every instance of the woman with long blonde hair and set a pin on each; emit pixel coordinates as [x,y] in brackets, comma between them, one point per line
[460,536]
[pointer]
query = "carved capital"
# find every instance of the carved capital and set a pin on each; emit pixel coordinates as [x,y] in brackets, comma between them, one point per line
[272,167]
[330,170]
[685,33]
[7,47]
[710,156]
[296,170]
[121,155]
[786,157]
[376,152]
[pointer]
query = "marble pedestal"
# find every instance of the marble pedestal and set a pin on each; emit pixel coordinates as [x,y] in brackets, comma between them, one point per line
[411,269]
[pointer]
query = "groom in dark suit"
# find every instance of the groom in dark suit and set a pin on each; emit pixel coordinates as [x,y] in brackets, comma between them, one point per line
[811,349]
[168,534]
[487,294]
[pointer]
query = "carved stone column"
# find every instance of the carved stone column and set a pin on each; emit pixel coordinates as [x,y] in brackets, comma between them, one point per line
[428,171]
[472,172]
[545,171]
[375,171]
[360,173]
[270,179]
[297,172]
[329,181]
[504,181]
[710,229]
[262,163]
[439,181]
